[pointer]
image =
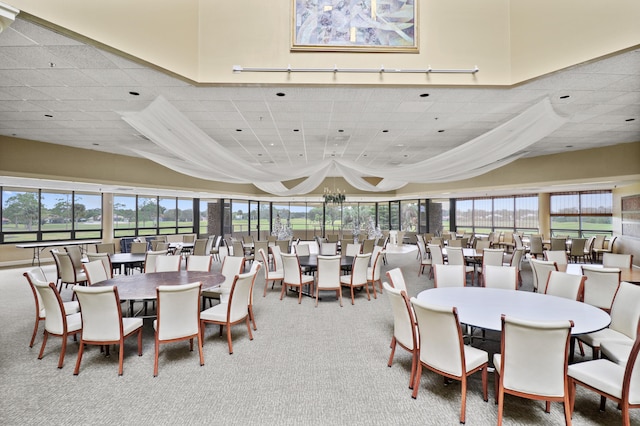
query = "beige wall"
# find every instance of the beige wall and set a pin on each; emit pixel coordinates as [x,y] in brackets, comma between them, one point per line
[509,40]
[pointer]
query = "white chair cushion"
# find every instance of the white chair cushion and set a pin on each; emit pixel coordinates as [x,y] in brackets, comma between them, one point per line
[216,313]
[276,275]
[74,322]
[345,279]
[474,357]
[306,279]
[600,374]
[616,352]
[130,324]
[607,335]
[69,308]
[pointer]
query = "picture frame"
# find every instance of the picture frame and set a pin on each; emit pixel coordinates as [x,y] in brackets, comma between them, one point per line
[354,25]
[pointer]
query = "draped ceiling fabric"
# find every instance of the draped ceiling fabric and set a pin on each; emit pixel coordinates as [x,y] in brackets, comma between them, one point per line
[192,152]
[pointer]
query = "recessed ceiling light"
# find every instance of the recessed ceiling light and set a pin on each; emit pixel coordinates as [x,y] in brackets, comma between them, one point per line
[385,131]
[424,95]
[630,119]
[300,155]
[340,131]
[259,155]
[296,130]
[48,115]
[272,144]
[280,94]
[568,146]
[440,131]
[406,155]
[364,155]
[134,93]
[238,130]
[564,96]
[96,144]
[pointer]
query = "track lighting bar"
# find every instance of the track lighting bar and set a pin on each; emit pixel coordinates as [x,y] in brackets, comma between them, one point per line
[335,69]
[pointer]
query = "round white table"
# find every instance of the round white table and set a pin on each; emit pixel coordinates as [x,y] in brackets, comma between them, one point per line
[482,307]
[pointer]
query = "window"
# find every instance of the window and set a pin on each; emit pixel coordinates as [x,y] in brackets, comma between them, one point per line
[409,215]
[483,215]
[240,218]
[581,214]
[147,215]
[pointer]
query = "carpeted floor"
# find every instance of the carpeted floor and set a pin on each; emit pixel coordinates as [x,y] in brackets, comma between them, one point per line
[306,365]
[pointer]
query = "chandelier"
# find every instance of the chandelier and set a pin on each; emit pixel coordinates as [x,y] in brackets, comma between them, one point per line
[334,196]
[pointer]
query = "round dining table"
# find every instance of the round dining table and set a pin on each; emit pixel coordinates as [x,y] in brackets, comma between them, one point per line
[143,286]
[311,261]
[482,307]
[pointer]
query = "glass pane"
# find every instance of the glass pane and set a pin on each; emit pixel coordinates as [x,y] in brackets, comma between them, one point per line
[464,210]
[56,236]
[265,220]
[124,213]
[253,218]
[168,212]
[87,213]
[564,225]
[367,214]
[314,219]
[147,212]
[564,204]
[298,217]
[592,225]
[20,211]
[88,235]
[350,220]
[240,219]
[281,226]
[394,215]
[482,214]
[409,214]
[55,213]
[124,233]
[383,216]
[204,218]
[503,213]
[527,213]
[20,238]
[185,212]
[332,218]
[596,203]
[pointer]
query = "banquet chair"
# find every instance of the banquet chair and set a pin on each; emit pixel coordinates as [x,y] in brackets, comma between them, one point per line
[75,254]
[36,275]
[588,249]
[622,261]
[625,317]
[437,257]
[57,322]
[442,349]
[616,351]
[541,270]
[501,277]
[516,261]
[270,275]
[293,276]
[396,279]
[105,258]
[95,272]
[368,245]
[150,259]
[171,263]
[237,249]
[328,276]
[609,249]
[68,273]
[558,244]
[161,245]
[231,266]
[351,250]
[490,257]
[178,317]
[423,257]
[102,322]
[404,327]
[558,256]
[200,246]
[620,383]
[106,248]
[303,250]
[373,271]
[524,370]
[328,249]
[199,263]
[255,267]
[236,310]
[482,245]
[568,286]
[455,256]
[285,246]
[449,276]
[576,252]
[358,276]
[601,286]
[257,245]
[215,251]
[138,247]
[535,246]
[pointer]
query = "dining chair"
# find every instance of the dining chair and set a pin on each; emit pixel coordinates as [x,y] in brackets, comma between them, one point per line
[236,310]
[171,263]
[588,249]
[576,251]
[105,258]
[437,257]
[455,256]
[351,250]
[449,276]
[490,257]
[558,244]
[558,256]
[200,247]
[69,275]
[95,272]
[75,254]
[215,251]
[138,247]
[561,284]
[358,276]
[601,286]
[57,322]
[271,276]
[293,276]
[37,275]
[620,383]
[257,245]
[285,246]
[501,277]
[442,349]
[598,252]
[611,260]
[367,247]
[405,333]
[328,276]
[178,317]
[231,266]
[102,322]
[541,269]
[625,317]
[109,248]
[199,263]
[535,246]
[515,260]
[396,279]
[523,370]
[328,249]
[150,259]
[423,257]
[373,271]
[616,351]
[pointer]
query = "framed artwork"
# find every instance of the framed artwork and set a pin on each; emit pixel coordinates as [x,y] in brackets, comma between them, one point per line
[355,25]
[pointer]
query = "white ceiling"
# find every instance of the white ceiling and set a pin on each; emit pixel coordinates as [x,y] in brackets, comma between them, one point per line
[59,90]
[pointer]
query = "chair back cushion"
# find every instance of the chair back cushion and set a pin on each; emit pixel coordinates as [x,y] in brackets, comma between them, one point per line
[96,271]
[101,314]
[178,310]
[503,277]
[436,254]
[168,263]
[199,263]
[55,321]
[239,298]
[231,266]
[541,270]
[601,286]
[359,269]
[625,311]
[449,276]
[397,279]
[561,284]
[403,322]
[328,273]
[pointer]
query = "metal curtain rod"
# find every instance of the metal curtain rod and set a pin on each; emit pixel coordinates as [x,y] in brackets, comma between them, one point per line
[335,69]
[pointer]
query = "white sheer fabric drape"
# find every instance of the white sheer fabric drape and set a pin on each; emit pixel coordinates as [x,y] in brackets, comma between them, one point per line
[192,152]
